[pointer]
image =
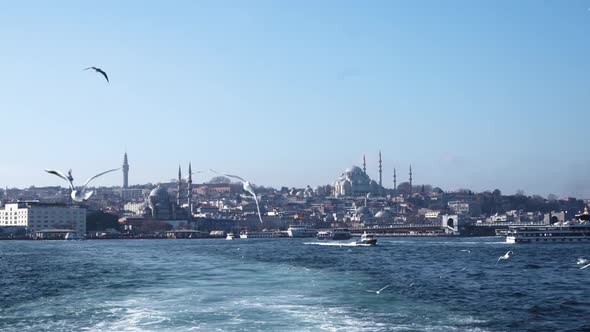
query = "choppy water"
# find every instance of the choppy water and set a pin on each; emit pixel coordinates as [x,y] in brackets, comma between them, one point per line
[287,285]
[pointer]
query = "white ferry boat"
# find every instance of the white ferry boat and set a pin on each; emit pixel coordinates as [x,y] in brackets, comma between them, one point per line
[301,231]
[336,234]
[571,231]
[324,235]
[230,236]
[553,233]
[257,235]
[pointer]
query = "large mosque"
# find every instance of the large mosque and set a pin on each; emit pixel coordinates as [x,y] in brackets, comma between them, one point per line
[354,181]
[161,206]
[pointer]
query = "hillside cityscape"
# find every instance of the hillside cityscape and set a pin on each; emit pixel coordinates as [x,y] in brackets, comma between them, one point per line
[181,208]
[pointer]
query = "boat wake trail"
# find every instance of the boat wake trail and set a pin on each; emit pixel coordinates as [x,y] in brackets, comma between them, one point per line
[332,244]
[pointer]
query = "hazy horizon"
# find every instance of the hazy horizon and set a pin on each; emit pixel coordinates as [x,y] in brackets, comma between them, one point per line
[472,95]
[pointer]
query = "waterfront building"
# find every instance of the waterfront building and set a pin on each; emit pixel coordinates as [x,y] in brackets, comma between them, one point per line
[464,207]
[37,216]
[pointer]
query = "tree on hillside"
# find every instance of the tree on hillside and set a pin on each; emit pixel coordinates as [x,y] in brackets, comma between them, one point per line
[219,179]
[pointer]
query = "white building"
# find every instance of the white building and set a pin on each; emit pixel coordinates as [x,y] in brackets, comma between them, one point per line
[42,216]
[137,209]
[432,215]
[134,194]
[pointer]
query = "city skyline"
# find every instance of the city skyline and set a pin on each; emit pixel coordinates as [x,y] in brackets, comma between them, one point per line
[251,90]
[208,175]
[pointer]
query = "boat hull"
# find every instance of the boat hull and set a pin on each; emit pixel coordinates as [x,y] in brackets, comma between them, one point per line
[370,242]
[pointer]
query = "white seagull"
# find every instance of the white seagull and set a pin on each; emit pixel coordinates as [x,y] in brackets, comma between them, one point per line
[507,255]
[191,173]
[247,187]
[379,291]
[80,194]
[466,250]
[582,261]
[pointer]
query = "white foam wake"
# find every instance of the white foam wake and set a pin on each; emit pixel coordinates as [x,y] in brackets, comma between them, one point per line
[337,244]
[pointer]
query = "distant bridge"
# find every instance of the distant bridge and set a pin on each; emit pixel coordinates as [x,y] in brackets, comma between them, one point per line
[417,228]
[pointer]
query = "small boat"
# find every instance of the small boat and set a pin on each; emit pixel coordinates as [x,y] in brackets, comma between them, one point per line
[367,239]
[324,235]
[230,236]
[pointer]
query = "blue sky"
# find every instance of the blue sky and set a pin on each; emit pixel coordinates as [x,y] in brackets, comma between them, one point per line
[474,94]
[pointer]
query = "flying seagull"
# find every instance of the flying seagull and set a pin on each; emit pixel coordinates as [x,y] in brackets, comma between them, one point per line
[382,289]
[191,173]
[582,261]
[80,194]
[247,187]
[507,255]
[98,70]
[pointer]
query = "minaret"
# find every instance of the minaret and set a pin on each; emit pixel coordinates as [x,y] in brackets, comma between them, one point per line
[125,172]
[189,191]
[364,165]
[394,180]
[380,172]
[179,191]
[410,179]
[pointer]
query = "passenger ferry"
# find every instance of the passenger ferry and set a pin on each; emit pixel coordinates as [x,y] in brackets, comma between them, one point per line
[553,233]
[259,235]
[230,236]
[301,231]
[341,234]
[570,231]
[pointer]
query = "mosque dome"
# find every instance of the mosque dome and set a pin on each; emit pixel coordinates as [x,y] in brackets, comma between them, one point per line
[354,170]
[160,193]
[363,210]
[383,214]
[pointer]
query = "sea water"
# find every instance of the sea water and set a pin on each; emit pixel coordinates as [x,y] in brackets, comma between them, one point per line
[292,285]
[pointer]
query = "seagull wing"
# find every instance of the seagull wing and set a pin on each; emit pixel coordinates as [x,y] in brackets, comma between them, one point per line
[61,175]
[228,175]
[195,172]
[97,175]
[247,187]
[383,288]
[103,73]
[258,208]
[585,266]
